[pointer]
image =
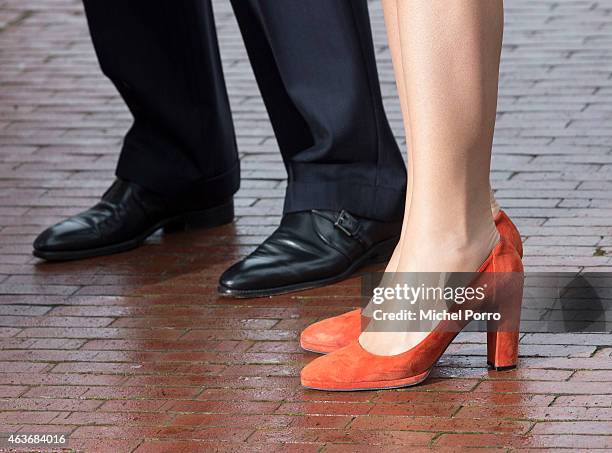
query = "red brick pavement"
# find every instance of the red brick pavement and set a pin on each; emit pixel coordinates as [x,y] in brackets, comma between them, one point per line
[135,352]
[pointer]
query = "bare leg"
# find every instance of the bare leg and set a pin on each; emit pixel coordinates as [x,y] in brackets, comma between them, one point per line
[390,8]
[450,53]
[393,37]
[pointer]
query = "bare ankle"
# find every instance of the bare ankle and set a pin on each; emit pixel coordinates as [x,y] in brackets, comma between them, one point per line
[451,251]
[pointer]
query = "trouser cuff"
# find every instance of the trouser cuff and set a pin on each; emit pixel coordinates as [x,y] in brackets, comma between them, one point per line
[385,204]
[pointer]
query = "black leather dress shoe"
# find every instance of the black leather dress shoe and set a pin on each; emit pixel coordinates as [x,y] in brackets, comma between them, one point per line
[123,219]
[310,249]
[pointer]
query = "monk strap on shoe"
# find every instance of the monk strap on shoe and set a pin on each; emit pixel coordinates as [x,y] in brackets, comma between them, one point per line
[310,249]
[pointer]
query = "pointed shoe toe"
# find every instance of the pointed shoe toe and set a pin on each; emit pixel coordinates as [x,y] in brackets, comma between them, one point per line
[353,368]
[332,334]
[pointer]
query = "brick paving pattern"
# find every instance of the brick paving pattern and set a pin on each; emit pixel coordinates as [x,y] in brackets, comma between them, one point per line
[135,352]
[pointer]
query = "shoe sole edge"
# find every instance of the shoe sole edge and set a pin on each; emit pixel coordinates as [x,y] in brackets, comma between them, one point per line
[316,350]
[376,385]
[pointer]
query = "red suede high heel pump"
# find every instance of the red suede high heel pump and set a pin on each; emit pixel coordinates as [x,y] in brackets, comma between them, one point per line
[334,333]
[353,368]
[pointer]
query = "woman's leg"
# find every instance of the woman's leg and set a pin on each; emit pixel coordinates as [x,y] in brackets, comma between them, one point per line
[393,38]
[450,52]
[390,8]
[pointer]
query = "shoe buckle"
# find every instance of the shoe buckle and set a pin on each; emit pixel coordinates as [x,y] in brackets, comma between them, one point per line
[344,221]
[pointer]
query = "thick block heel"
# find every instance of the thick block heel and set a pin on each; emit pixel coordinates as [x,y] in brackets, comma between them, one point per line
[206,218]
[503,335]
[502,350]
